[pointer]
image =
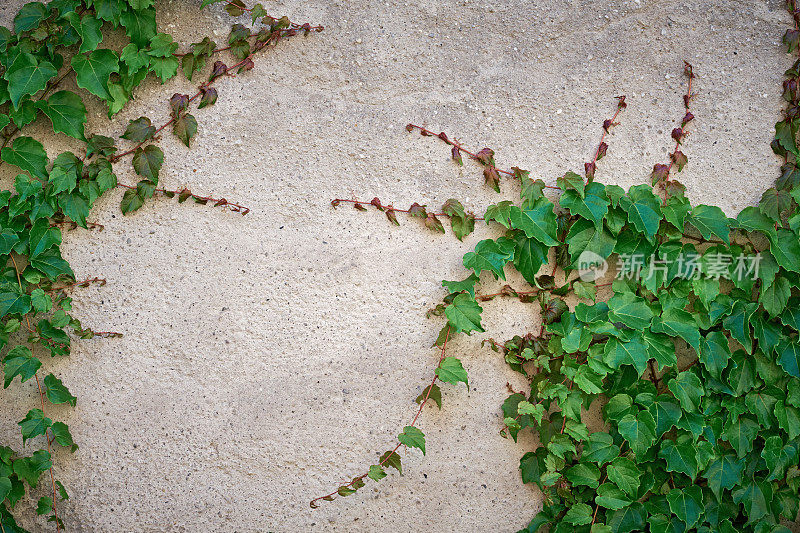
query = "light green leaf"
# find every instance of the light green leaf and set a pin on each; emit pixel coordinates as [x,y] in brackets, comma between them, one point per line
[709,221]
[450,370]
[464,314]
[610,497]
[538,223]
[490,255]
[579,514]
[19,361]
[599,449]
[413,438]
[28,154]
[643,208]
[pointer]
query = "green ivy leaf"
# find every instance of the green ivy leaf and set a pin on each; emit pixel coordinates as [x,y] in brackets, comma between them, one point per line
[680,457]
[631,310]
[688,389]
[610,497]
[19,361]
[751,218]
[27,76]
[643,208]
[413,438]
[639,430]
[740,433]
[538,223]
[583,474]
[775,297]
[529,256]
[28,154]
[30,16]
[147,162]
[579,514]
[678,323]
[723,473]
[666,414]
[139,25]
[789,357]
[709,221]
[500,213]
[450,370]
[34,424]
[715,353]
[786,250]
[687,504]
[66,112]
[376,473]
[464,314]
[490,255]
[93,71]
[625,474]
[13,303]
[88,28]
[75,207]
[756,498]
[56,392]
[599,449]
[593,205]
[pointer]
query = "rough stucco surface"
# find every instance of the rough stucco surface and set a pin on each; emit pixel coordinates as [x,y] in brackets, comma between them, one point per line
[267,358]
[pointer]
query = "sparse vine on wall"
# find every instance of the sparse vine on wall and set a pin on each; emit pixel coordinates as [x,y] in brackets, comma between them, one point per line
[693,360]
[51,43]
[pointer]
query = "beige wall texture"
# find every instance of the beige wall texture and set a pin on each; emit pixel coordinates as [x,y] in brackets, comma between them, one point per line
[267,358]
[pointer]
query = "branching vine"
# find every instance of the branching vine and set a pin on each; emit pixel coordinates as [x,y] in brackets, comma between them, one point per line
[693,361]
[49,43]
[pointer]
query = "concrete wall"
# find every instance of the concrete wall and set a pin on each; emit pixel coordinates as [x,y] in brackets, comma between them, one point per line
[267,358]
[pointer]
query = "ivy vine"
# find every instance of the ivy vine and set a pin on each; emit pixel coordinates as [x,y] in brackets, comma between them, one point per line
[692,360]
[50,43]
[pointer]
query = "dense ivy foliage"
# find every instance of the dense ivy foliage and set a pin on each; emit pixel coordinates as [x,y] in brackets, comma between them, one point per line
[49,43]
[692,361]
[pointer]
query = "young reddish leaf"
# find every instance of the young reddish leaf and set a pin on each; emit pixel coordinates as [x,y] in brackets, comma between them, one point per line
[185,128]
[139,130]
[179,103]
[208,96]
[485,157]
[417,211]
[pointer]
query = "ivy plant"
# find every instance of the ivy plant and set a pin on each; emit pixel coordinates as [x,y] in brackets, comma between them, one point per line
[49,43]
[691,356]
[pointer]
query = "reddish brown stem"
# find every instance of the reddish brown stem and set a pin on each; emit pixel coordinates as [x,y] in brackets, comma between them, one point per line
[84,283]
[216,202]
[275,37]
[337,201]
[686,119]
[442,136]
[602,146]
[413,423]
[49,451]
